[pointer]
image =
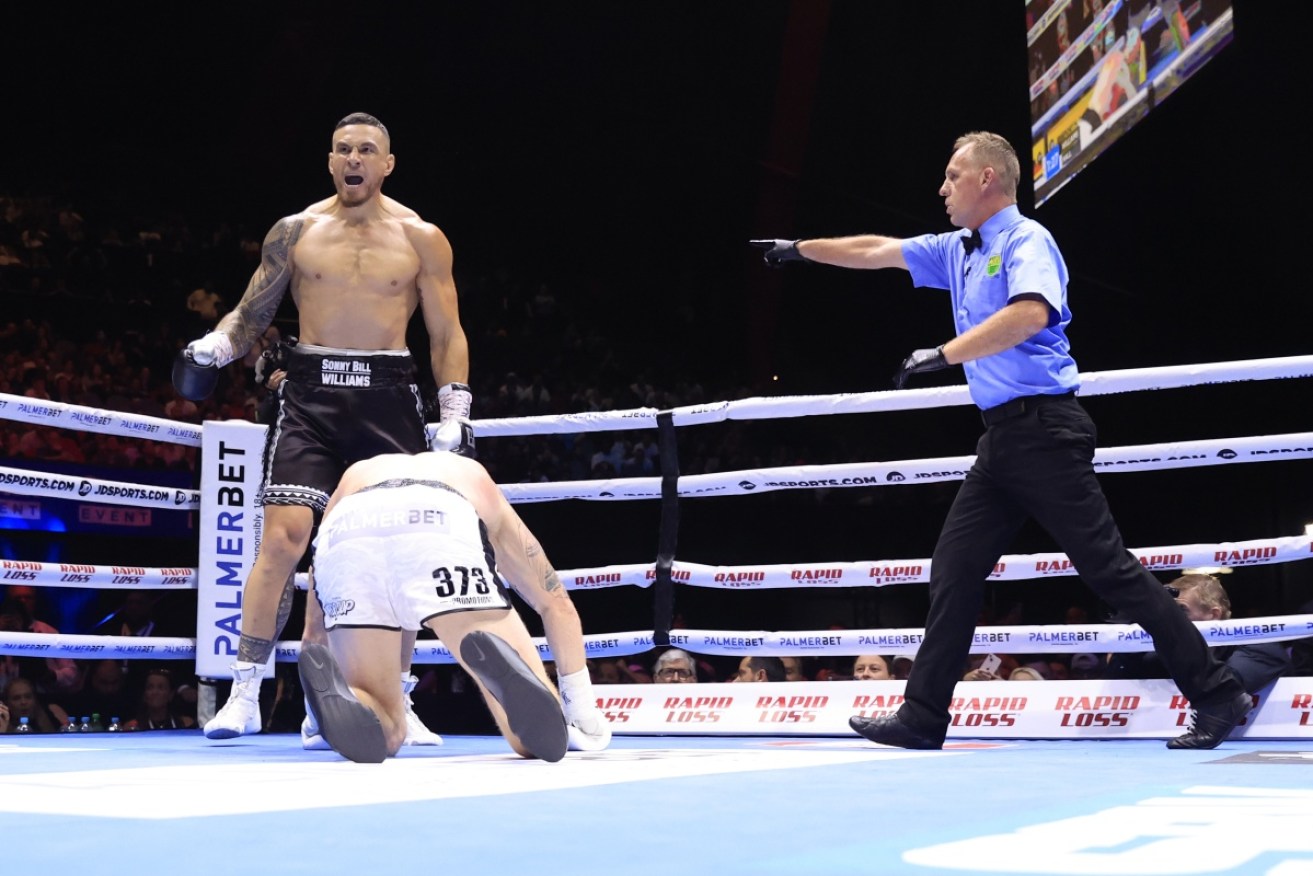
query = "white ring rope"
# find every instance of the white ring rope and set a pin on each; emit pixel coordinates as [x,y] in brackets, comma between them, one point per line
[1186,454]
[1141,457]
[99,577]
[55,486]
[1134,458]
[866,573]
[1092,383]
[42,412]
[1021,639]
[51,413]
[1101,638]
[880,573]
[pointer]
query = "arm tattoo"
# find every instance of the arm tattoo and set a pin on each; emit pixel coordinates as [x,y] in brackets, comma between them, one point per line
[550,581]
[264,293]
[534,552]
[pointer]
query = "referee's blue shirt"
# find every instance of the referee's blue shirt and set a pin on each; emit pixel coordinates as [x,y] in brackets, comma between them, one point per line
[1018,256]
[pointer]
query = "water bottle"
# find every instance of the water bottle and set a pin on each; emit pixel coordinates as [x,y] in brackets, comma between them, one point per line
[96,725]
[23,726]
[114,725]
[85,726]
[71,726]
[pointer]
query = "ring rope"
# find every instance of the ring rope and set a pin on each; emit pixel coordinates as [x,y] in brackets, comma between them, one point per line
[1093,383]
[1133,458]
[43,412]
[865,573]
[51,413]
[53,486]
[1018,639]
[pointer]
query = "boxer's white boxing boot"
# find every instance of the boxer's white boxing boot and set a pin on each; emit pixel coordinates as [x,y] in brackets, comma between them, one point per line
[416,732]
[240,716]
[311,738]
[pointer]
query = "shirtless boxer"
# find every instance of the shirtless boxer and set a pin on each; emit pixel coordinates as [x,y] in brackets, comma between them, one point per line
[358,264]
[411,540]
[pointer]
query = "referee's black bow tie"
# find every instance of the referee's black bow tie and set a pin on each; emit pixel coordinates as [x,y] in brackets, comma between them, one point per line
[972,242]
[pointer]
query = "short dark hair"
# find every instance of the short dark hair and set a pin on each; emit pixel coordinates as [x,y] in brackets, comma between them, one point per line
[771,665]
[363,119]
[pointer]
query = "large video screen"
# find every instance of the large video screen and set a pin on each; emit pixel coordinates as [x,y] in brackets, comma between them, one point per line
[1097,67]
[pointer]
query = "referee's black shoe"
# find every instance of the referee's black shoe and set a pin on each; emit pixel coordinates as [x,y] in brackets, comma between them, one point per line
[1214,723]
[888,730]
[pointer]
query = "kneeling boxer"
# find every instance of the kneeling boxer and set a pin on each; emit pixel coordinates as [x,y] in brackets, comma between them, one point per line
[410,541]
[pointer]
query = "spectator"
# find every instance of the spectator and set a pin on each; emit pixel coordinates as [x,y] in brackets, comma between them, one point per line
[1025,673]
[1076,614]
[206,304]
[1203,598]
[760,669]
[139,615]
[157,707]
[13,619]
[871,667]
[534,399]
[24,702]
[62,670]
[902,667]
[675,666]
[982,668]
[616,671]
[1083,667]
[181,409]
[104,691]
[793,670]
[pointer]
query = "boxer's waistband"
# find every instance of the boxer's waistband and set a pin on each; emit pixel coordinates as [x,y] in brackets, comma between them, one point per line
[397,483]
[313,365]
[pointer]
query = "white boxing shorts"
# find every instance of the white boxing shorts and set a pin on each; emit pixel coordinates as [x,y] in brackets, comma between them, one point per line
[401,552]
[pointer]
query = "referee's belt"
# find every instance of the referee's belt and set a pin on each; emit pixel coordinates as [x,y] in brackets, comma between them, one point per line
[1019,406]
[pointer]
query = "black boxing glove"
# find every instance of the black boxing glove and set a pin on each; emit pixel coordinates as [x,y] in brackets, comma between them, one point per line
[920,360]
[196,368]
[192,381]
[779,251]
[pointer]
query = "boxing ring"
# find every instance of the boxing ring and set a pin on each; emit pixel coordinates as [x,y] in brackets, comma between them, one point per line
[230,522]
[1057,776]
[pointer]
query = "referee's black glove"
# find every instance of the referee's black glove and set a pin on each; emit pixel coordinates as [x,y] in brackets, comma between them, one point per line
[779,251]
[920,360]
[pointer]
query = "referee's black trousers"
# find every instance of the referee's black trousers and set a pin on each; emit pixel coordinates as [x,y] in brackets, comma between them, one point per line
[1039,463]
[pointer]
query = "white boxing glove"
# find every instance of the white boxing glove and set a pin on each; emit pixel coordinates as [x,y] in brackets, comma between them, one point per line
[214,349]
[586,726]
[454,432]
